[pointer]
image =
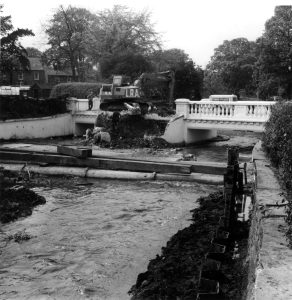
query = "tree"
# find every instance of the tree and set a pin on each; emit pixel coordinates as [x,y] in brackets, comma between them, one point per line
[188,76]
[231,67]
[13,56]
[69,33]
[122,34]
[188,81]
[170,59]
[33,52]
[274,66]
[126,63]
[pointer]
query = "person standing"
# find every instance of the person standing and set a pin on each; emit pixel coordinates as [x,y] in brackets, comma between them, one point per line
[90,100]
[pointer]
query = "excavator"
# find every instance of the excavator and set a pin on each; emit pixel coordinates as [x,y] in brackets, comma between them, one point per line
[150,89]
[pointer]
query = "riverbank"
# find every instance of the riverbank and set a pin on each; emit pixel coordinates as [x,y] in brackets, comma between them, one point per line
[177,271]
[16,200]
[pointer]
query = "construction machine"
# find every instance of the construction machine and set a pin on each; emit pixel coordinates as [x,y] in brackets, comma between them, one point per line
[150,89]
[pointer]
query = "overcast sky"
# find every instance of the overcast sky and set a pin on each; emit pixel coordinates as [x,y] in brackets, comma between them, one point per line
[197,27]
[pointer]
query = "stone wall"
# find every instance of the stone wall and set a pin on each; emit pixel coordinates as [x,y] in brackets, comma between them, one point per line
[269,257]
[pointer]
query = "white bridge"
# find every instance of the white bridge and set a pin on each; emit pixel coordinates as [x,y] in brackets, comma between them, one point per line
[200,120]
[194,120]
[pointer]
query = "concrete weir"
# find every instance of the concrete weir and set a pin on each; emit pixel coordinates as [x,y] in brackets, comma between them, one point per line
[71,161]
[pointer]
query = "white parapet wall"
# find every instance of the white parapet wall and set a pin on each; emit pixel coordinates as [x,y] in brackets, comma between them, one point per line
[57,125]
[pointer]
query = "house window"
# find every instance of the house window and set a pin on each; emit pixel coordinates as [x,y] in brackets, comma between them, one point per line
[69,79]
[36,75]
[20,76]
[57,80]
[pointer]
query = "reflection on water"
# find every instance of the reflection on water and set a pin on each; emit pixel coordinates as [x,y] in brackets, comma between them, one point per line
[92,238]
[217,151]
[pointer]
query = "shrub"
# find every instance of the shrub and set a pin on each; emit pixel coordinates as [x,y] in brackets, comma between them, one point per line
[79,90]
[16,107]
[278,139]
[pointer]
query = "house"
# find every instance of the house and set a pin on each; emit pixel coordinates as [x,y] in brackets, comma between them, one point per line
[40,77]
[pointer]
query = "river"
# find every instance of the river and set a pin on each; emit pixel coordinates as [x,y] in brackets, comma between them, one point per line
[92,238]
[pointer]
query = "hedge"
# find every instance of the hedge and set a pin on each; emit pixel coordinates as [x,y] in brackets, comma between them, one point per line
[17,107]
[277,139]
[278,144]
[79,90]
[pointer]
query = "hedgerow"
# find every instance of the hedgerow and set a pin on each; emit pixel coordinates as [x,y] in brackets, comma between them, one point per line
[16,107]
[78,90]
[277,139]
[278,144]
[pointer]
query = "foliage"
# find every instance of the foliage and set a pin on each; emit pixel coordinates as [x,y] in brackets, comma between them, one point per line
[33,52]
[274,68]
[69,33]
[17,107]
[12,54]
[231,67]
[79,90]
[188,76]
[170,59]
[121,29]
[110,41]
[188,81]
[125,63]
[278,139]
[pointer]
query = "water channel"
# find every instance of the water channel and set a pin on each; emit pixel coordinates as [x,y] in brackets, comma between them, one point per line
[92,238]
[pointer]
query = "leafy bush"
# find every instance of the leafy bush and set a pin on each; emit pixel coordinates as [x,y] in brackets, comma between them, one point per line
[16,107]
[278,139]
[79,90]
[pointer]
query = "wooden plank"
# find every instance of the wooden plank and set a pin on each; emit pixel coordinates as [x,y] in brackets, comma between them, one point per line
[99,163]
[75,151]
[208,168]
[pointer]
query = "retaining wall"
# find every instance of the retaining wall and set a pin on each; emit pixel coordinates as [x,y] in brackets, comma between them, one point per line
[269,258]
[57,125]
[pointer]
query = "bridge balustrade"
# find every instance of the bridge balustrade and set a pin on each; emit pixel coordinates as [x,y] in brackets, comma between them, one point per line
[248,111]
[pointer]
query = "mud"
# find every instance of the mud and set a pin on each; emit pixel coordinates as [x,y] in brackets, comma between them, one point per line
[16,200]
[175,274]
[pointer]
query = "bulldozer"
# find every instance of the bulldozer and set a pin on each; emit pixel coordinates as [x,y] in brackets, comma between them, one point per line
[150,89]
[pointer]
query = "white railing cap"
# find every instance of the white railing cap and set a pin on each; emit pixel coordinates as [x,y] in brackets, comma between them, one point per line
[182,100]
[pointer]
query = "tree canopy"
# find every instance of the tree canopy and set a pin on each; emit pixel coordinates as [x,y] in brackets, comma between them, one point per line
[117,39]
[274,66]
[231,67]
[12,54]
[69,32]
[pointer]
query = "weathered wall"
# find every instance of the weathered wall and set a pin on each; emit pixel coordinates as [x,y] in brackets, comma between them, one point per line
[57,125]
[269,258]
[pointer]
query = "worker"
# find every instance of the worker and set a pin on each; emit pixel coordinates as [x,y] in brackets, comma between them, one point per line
[90,100]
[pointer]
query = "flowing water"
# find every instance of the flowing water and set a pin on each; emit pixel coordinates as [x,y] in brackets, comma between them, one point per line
[92,238]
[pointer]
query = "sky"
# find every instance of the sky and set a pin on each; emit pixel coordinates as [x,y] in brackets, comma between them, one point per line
[197,27]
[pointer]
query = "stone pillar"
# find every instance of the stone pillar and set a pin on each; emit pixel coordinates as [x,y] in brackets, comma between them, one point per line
[72,105]
[182,107]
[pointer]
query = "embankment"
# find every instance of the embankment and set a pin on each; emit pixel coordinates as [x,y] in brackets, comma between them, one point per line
[269,257]
[258,264]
